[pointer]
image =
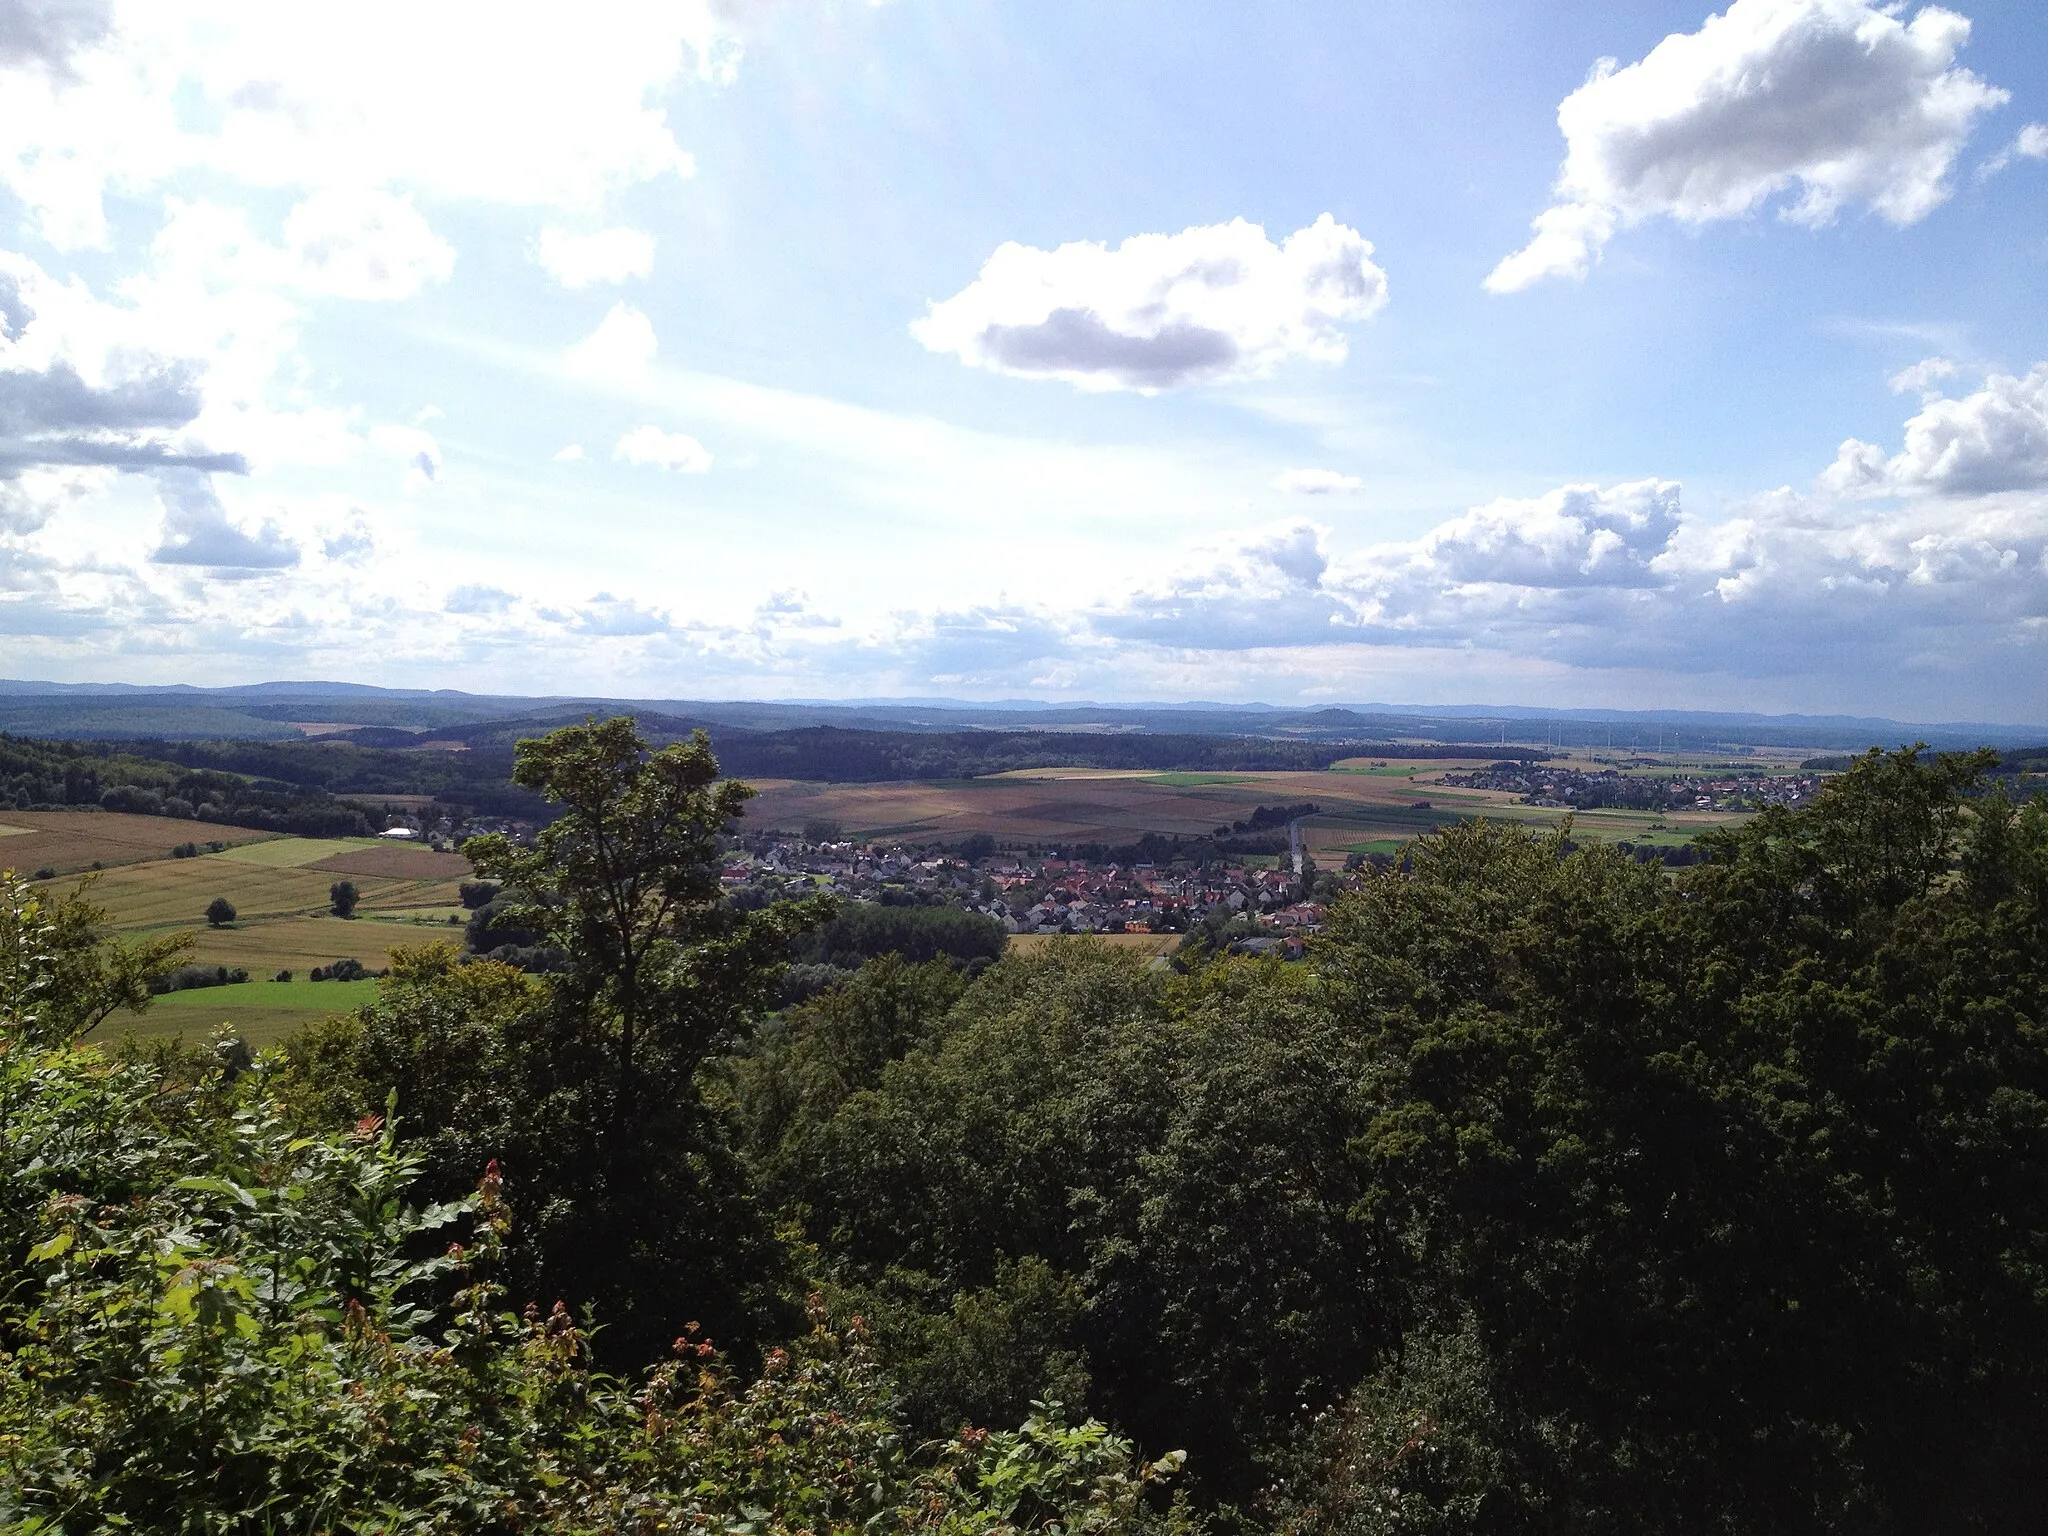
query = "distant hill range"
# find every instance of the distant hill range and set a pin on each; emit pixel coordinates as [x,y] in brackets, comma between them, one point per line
[393,718]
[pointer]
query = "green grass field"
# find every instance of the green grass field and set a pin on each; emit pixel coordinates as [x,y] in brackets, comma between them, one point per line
[296,852]
[301,995]
[1386,845]
[175,892]
[261,1012]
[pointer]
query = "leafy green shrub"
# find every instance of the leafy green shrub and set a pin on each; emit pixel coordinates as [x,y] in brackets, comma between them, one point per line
[214,1322]
[801,983]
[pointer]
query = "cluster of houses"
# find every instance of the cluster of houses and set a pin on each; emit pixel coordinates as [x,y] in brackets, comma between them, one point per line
[1573,788]
[441,830]
[1071,896]
[1046,895]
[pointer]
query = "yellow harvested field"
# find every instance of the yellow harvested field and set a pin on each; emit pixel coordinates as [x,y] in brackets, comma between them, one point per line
[299,943]
[296,852]
[278,885]
[1136,943]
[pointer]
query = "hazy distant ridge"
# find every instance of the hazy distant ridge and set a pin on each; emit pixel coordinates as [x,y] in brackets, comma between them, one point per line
[264,711]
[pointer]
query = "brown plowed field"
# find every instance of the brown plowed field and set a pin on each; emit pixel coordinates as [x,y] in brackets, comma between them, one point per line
[1062,806]
[398,862]
[69,841]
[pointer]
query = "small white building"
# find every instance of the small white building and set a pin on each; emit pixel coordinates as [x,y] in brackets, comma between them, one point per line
[401,834]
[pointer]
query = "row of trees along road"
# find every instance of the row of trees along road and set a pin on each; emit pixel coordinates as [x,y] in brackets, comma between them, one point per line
[1553,1193]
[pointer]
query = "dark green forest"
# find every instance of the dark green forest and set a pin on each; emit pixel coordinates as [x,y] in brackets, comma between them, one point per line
[57,775]
[1553,1192]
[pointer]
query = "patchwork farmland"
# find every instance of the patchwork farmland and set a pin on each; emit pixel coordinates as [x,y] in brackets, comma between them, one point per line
[1365,806]
[278,886]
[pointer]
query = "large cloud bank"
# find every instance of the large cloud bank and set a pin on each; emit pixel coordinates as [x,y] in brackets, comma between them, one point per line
[1925,570]
[509,103]
[1839,103]
[1930,573]
[265,162]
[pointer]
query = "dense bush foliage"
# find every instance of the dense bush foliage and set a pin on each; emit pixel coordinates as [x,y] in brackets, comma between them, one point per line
[228,1332]
[187,977]
[1557,1192]
[213,1321]
[862,931]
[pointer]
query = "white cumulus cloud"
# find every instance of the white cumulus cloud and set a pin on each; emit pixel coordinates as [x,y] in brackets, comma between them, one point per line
[2030,143]
[364,245]
[1992,440]
[673,451]
[198,531]
[1840,102]
[1923,377]
[349,244]
[1315,482]
[416,449]
[622,345]
[619,616]
[1575,536]
[1209,305]
[608,256]
[478,599]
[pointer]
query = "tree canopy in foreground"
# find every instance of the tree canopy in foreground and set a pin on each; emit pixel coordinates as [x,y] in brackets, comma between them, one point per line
[1553,1193]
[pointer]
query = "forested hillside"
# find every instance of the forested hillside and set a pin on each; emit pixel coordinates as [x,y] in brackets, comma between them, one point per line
[36,775]
[1553,1192]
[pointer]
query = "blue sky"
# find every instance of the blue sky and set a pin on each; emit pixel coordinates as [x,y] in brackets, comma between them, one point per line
[1572,354]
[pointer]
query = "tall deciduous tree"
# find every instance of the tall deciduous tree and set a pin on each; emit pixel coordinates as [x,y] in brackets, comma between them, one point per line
[583,1083]
[663,973]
